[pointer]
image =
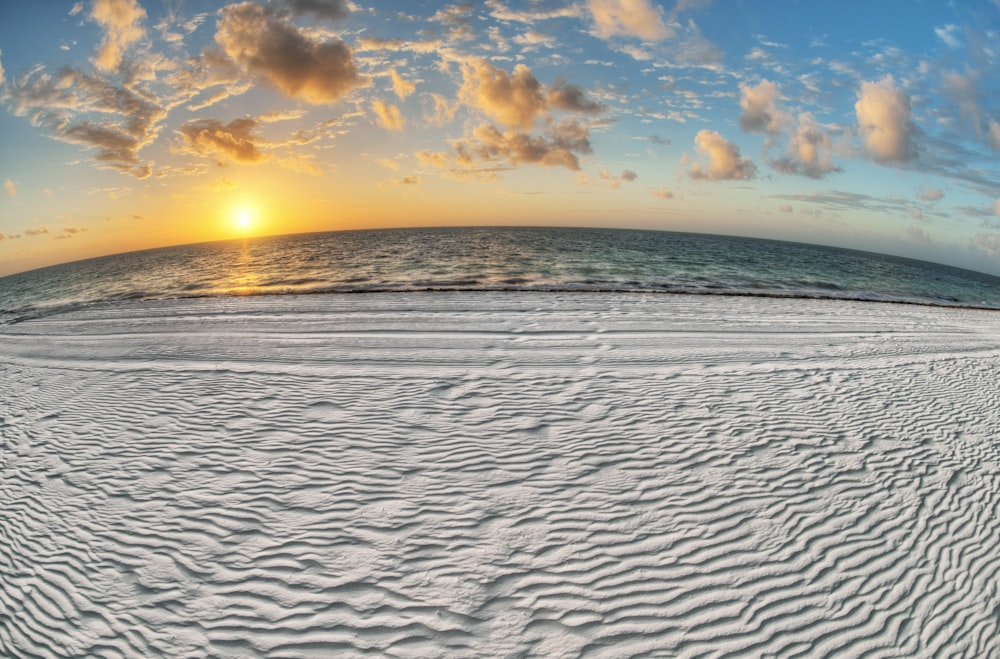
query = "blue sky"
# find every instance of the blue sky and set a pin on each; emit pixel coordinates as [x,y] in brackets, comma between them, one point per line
[136,124]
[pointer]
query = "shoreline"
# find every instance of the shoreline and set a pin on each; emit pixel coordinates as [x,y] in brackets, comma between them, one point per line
[457,474]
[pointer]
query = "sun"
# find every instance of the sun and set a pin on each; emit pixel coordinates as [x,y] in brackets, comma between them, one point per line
[244,219]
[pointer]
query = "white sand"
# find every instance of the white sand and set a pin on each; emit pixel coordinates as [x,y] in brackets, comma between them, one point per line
[501,475]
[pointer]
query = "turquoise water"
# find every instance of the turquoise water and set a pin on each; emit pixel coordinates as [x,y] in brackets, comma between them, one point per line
[494,258]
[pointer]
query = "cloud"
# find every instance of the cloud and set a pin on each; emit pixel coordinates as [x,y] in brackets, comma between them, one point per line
[786,208]
[628,18]
[810,151]
[121,21]
[559,147]
[760,110]
[223,184]
[389,116]
[268,47]
[69,232]
[996,207]
[988,243]
[564,96]
[458,18]
[949,35]
[518,99]
[402,88]
[334,10]
[11,187]
[883,113]
[627,176]
[662,193]
[533,38]
[36,231]
[501,12]
[411,180]
[918,235]
[515,100]
[89,111]
[724,161]
[230,142]
[931,194]
[437,159]
[444,110]
[2,75]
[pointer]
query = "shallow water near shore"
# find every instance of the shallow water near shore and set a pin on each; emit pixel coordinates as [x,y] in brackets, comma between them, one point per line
[494,258]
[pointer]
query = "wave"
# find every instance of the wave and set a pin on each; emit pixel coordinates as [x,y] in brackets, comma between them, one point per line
[831,293]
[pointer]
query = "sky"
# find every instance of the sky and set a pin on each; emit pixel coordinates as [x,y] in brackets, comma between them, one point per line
[127,125]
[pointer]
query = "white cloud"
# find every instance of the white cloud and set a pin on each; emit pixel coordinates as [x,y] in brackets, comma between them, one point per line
[949,35]
[810,151]
[760,110]
[883,113]
[724,160]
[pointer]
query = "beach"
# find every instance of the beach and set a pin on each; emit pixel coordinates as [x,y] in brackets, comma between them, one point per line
[500,474]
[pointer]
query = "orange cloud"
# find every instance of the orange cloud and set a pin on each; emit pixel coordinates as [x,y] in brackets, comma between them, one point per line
[558,148]
[233,141]
[724,161]
[11,187]
[401,87]
[628,18]
[515,100]
[120,20]
[269,47]
[389,116]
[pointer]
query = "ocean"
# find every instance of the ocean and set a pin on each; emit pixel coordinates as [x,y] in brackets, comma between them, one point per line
[493,258]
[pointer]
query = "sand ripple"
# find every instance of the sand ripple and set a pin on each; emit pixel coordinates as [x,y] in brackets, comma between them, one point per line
[500,475]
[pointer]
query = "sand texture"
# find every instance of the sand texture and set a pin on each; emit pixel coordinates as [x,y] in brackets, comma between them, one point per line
[502,475]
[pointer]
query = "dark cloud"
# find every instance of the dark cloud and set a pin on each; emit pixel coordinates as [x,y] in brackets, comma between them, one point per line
[570,98]
[234,141]
[90,111]
[560,146]
[268,47]
[333,10]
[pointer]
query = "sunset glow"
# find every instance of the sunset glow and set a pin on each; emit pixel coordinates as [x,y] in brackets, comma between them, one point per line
[130,124]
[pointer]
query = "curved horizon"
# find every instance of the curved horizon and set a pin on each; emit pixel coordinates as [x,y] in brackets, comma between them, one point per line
[133,125]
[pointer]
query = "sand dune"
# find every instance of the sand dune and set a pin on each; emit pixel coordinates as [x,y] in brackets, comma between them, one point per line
[500,475]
